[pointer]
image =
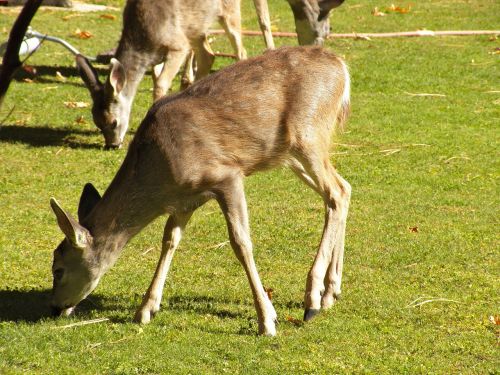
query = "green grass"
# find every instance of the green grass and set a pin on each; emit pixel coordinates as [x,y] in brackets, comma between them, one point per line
[441,177]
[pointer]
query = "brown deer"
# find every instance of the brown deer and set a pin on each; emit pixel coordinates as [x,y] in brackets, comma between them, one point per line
[277,109]
[155,32]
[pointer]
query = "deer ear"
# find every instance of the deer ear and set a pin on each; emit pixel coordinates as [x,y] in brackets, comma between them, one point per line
[74,232]
[89,198]
[88,74]
[117,76]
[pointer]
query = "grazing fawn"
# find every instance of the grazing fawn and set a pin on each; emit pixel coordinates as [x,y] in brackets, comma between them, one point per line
[277,109]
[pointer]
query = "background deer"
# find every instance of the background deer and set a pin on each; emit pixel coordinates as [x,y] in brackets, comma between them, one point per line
[198,145]
[311,19]
[155,32]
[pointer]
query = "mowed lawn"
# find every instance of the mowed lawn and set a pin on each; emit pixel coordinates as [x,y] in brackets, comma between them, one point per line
[422,272]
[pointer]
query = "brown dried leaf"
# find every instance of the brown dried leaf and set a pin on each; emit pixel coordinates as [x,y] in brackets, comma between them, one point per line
[377,13]
[76,104]
[397,9]
[73,15]
[269,292]
[80,120]
[29,69]
[295,322]
[82,34]
[495,319]
[111,17]
[413,229]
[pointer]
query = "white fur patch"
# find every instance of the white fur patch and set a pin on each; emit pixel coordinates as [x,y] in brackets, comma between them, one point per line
[347,86]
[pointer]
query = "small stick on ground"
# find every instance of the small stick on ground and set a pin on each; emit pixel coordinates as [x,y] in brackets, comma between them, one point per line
[83,323]
[425,301]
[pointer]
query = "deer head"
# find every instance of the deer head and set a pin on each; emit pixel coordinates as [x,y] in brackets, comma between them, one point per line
[111,107]
[75,268]
[311,19]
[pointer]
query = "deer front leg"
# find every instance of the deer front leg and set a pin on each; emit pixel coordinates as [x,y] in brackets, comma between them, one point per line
[171,238]
[233,203]
[163,74]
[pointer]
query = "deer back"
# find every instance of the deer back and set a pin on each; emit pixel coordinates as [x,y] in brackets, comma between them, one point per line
[249,116]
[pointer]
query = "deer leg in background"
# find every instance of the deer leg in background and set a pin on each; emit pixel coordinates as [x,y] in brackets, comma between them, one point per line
[264,21]
[188,73]
[163,74]
[233,203]
[204,57]
[231,22]
[171,238]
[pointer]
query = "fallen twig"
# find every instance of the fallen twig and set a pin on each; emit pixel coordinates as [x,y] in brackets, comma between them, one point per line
[456,157]
[390,151]
[83,323]
[147,251]
[421,301]
[219,245]
[367,36]
[424,94]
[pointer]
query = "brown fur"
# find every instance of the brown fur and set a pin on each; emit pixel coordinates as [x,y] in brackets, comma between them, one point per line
[276,109]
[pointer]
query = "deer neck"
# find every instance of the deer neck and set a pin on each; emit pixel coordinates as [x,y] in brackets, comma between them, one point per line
[118,216]
[135,64]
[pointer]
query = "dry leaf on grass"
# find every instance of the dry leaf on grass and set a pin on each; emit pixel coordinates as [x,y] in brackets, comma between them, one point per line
[82,34]
[377,13]
[295,322]
[495,319]
[397,9]
[413,229]
[111,17]
[269,292]
[76,104]
[29,69]
[80,120]
[72,15]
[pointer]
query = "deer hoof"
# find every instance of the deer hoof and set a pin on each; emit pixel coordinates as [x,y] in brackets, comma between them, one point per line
[310,313]
[143,316]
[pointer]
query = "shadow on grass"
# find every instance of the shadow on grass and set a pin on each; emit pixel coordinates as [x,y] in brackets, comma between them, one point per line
[33,305]
[41,136]
[202,305]
[47,74]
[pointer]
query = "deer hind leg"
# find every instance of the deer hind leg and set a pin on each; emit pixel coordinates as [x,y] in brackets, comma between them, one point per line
[163,74]
[171,238]
[231,22]
[232,202]
[324,278]
[204,57]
